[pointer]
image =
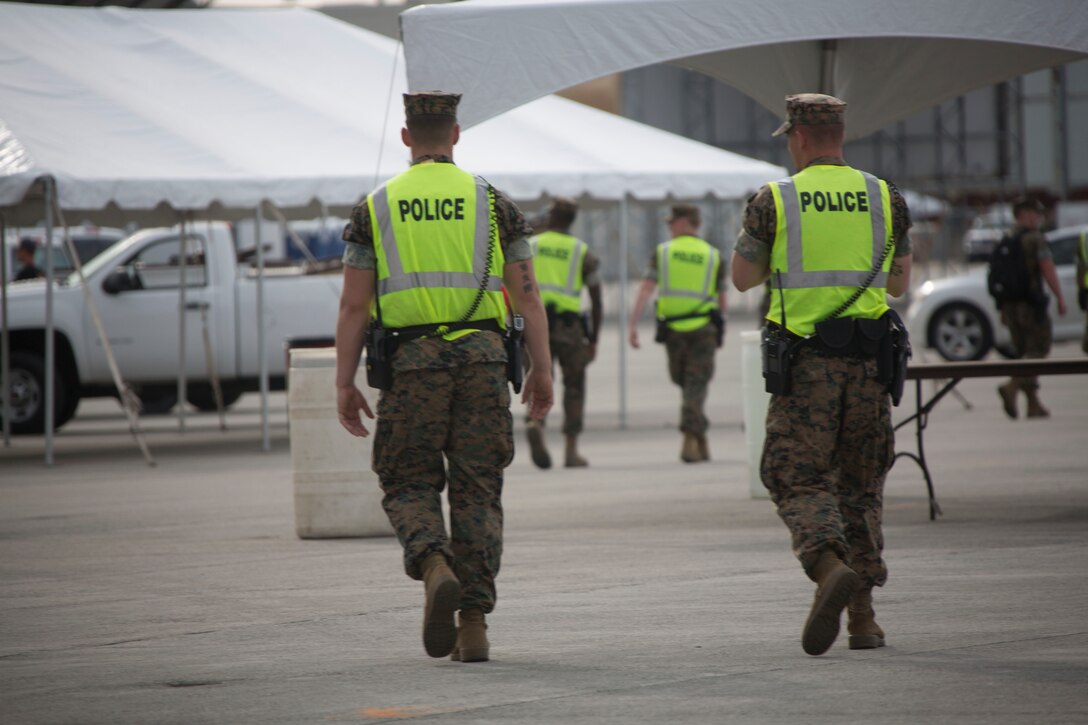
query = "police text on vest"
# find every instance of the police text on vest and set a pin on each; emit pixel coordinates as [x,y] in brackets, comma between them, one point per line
[835,200]
[431,209]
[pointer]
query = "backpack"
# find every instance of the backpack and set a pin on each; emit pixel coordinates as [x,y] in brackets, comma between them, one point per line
[1008,279]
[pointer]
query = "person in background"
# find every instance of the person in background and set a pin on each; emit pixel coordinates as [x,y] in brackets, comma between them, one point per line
[564,267]
[689,277]
[1082,283]
[24,255]
[1028,319]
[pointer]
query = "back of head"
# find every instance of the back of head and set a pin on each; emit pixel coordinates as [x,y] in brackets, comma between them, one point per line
[561,213]
[688,212]
[430,117]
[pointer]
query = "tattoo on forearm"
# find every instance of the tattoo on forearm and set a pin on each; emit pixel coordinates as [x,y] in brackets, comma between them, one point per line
[526,281]
[897,269]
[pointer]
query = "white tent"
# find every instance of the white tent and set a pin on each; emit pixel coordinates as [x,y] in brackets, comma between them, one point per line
[145,115]
[155,111]
[889,58]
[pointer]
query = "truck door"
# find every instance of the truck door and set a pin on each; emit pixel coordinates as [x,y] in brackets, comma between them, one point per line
[142,316]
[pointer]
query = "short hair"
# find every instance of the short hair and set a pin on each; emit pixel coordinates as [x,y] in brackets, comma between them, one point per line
[430,130]
[28,245]
[826,134]
[561,217]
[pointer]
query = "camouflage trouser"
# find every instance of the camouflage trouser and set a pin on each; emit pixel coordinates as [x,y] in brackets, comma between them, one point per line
[571,350]
[1031,336]
[828,448]
[691,366]
[463,413]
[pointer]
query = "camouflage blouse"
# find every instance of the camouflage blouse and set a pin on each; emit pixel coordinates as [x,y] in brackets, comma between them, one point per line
[477,347]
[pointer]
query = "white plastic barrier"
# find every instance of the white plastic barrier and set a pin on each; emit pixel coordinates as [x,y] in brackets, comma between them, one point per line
[755,400]
[336,493]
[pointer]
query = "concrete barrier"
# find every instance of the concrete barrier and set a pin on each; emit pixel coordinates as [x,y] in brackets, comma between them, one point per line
[336,494]
[755,400]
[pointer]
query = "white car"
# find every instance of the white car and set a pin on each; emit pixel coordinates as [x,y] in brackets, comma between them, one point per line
[957,317]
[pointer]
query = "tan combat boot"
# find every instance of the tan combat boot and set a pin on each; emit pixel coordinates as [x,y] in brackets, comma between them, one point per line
[1035,408]
[865,633]
[442,594]
[573,459]
[689,451]
[1008,398]
[537,449]
[704,449]
[472,644]
[835,584]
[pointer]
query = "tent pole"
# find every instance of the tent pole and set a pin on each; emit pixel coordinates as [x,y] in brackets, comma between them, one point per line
[827,66]
[182,382]
[130,403]
[262,357]
[624,242]
[5,343]
[50,347]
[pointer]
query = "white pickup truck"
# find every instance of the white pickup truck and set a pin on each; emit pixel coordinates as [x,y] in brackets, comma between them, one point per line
[136,287]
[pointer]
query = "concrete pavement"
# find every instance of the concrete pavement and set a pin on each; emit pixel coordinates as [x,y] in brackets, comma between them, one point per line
[638,590]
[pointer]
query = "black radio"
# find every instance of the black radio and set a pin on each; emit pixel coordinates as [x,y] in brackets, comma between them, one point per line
[379,358]
[777,349]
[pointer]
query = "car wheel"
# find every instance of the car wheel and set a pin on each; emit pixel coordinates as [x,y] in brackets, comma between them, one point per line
[960,331]
[203,398]
[27,394]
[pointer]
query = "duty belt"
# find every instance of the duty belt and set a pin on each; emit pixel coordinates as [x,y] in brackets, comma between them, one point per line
[856,337]
[414,332]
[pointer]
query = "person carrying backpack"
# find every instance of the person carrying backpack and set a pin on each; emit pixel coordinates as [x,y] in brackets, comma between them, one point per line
[1018,267]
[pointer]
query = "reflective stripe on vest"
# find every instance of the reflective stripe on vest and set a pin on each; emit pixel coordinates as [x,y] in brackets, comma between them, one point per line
[435,216]
[680,283]
[810,293]
[557,260]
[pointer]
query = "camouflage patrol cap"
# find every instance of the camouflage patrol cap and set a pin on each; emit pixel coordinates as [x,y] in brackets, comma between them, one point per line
[431,103]
[811,109]
[681,211]
[1021,203]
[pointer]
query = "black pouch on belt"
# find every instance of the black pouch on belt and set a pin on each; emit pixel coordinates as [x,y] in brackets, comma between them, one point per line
[835,335]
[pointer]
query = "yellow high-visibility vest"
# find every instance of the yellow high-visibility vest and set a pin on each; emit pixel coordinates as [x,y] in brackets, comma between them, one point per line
[436,240]
[687,274]
[557,260]
[833,223]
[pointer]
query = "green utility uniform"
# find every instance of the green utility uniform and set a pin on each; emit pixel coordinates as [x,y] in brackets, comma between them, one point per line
[829,442]
[433,233]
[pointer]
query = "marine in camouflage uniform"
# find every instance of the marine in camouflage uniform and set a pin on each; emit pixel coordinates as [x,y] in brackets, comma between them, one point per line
[691,353]
[829,442]
[446,419]
[573,344]
[1028,320]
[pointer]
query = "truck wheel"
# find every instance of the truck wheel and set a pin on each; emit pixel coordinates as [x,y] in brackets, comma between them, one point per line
[202,396]
[155,401]
[27,394]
